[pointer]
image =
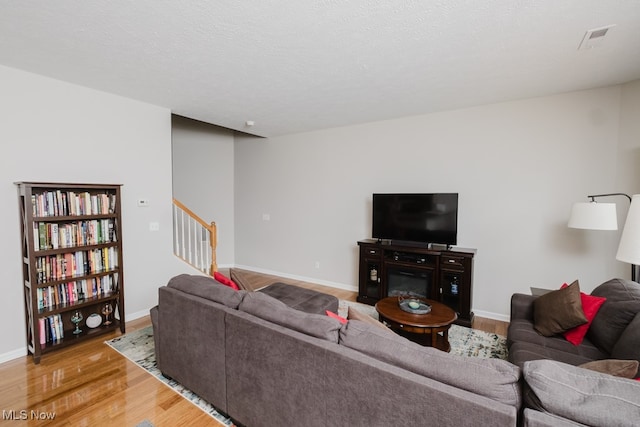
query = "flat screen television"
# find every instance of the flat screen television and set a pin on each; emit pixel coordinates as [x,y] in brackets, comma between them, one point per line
[417,217]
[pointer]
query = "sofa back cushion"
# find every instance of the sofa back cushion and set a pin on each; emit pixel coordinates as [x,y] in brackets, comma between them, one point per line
[617,312]
[275,311]
[493,378]
[584,396]
[628,345]
[208,288]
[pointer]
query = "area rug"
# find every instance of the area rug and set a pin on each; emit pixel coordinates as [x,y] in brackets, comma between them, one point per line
[138,347]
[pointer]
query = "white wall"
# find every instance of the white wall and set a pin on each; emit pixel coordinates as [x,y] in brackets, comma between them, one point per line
[203,177]
[57,132]
[628,179]
[518,167]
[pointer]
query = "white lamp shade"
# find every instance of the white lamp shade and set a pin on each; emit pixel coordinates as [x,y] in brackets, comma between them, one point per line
[629,249]
[594,216]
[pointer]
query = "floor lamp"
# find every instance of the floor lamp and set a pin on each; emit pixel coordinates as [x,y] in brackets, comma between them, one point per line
[629,248]
[602,216]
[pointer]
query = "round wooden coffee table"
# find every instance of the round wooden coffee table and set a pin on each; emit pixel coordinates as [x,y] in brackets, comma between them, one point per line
[431,329]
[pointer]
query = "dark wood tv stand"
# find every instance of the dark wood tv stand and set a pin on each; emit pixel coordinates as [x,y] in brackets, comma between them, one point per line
[443,275]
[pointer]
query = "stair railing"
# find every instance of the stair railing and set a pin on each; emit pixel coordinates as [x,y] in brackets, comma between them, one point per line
[194,241]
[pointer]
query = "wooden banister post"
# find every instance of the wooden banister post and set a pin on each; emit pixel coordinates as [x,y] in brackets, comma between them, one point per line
[213,230]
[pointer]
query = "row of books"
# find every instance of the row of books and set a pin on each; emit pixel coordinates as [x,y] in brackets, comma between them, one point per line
[51,329]
[76,264]
[64,203]
[81,233]
[78,290]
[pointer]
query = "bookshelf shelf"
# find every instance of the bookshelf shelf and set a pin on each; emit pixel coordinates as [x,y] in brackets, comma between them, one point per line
[72,261]
[70,338]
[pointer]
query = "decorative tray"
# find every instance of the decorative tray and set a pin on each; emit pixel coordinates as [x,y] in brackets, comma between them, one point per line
[414,306]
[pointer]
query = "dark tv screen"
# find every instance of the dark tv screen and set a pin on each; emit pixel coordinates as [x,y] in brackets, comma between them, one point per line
[421,218]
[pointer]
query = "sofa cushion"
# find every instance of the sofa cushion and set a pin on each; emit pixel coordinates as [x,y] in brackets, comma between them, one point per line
[588,397]
[523,331]
[521,352]
[208,288]
[620,308]
[590,307]
[493,378]
[628,345]
[615,367]
[302,299]
[275,311]
[558,311]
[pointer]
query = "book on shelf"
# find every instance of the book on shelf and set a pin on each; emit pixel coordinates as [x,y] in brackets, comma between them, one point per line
[51,329]
[73,234]
[42,333]
[76,290]
[69,203]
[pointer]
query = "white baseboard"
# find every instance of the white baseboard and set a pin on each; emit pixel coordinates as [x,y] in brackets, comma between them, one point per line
[137,315]
[490,315]
[14,354]
[337,285]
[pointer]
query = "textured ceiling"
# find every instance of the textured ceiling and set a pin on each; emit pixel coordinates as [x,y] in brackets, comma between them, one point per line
[299,65]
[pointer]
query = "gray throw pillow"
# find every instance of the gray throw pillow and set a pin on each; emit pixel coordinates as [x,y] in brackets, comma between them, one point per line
[493,378]
[584,396]
[268,308]
[558,311]
[617,312]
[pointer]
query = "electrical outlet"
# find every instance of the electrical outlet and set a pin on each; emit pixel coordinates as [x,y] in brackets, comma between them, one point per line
[154,226]
[318,264]
[143,203]
[266,217]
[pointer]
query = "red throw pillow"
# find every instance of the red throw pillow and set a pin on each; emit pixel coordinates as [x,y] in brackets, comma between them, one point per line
[225,280]
[590,307]
[335,316]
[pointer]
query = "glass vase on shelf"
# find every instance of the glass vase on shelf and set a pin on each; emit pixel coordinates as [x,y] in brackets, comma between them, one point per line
[76,318]
[107,309]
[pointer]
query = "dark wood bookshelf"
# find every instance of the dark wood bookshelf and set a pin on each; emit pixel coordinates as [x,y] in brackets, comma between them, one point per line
[61,292]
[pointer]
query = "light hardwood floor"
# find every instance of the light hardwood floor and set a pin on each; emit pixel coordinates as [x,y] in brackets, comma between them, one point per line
[93,385]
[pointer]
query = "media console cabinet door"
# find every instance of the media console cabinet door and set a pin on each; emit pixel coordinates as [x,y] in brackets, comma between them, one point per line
[371,273]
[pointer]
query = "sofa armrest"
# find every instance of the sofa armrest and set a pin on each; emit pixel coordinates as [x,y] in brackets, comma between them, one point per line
[522,307]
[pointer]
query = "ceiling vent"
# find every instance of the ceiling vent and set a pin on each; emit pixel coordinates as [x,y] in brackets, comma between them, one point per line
[595,37]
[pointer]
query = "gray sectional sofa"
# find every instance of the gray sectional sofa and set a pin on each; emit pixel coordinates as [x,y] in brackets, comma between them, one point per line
[613,334]
[556,391]
[264,363]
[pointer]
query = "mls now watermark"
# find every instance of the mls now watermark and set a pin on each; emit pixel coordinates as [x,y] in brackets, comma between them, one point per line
[12,414]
